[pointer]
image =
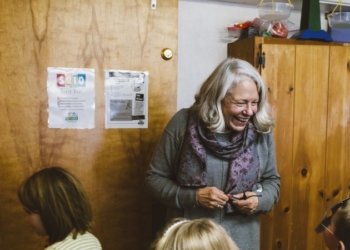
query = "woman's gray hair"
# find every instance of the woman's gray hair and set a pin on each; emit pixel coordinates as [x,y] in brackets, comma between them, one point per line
[209,99]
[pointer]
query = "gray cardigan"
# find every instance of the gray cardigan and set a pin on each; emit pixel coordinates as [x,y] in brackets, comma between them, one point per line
[181,201]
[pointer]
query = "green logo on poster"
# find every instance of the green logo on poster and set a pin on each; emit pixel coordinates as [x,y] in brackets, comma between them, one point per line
[72,116]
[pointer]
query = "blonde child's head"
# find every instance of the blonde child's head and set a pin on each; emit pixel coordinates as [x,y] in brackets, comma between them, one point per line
[196,234]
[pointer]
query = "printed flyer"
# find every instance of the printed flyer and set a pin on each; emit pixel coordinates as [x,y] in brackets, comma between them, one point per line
[71,97]
[126,95]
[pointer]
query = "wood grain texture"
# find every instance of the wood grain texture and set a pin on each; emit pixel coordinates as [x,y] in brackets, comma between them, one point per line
[245,49]
[280,85]
[308,88]
[337,183]
[309,143]
[105,34]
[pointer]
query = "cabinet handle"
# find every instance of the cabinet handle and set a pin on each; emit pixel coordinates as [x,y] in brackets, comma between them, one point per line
[260,60]
[348,65]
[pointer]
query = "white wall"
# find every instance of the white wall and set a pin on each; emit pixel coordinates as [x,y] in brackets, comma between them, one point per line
[200,46]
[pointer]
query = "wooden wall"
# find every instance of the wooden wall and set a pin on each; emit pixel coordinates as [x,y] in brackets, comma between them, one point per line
[103,34]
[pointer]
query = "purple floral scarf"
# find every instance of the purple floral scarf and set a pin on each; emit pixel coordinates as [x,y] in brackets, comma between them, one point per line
[240,151]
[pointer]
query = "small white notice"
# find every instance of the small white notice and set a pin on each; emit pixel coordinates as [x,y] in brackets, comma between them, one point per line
[71,97]
[126,95]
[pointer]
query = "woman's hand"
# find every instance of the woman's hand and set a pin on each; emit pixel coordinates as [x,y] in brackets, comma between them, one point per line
[211,197]
[246,202]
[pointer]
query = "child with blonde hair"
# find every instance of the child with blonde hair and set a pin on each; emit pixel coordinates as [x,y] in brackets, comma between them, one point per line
[198,234]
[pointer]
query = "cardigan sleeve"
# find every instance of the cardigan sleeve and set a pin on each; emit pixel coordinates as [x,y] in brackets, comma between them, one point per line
[160,178]
[269,177]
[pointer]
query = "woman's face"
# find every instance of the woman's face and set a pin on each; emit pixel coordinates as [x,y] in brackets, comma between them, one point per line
[35,221]
[240,105]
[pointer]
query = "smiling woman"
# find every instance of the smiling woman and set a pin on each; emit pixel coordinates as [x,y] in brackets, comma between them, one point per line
[240,104]
[217,158]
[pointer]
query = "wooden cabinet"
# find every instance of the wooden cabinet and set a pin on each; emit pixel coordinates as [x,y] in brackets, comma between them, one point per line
[309,90]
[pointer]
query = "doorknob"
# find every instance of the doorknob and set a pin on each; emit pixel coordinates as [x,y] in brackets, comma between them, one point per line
[166,54]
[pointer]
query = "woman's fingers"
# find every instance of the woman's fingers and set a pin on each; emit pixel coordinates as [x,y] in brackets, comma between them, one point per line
[211,197]
[248,205]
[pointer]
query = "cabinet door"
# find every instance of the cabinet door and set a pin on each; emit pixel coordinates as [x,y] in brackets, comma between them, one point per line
[309,144]
[278,75]
[309,92]
[297,81]
[337,181]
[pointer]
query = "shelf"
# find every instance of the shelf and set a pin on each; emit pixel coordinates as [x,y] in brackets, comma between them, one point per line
[325,5]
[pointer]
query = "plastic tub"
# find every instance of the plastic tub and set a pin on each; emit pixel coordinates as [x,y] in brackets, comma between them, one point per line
[339,24]
[339,20]
[274,11]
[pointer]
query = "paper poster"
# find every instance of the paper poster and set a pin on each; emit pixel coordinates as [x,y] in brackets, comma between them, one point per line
[71,96]
[126,99]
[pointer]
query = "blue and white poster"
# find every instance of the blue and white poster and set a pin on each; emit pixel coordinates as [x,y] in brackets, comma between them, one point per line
[71,97]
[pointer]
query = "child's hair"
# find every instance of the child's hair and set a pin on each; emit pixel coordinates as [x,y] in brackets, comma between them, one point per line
[342,223]
[60,200]
[198,234]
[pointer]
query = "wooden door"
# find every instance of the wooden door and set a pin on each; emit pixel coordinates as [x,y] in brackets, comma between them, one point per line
[337,172]
[297,91]
[309,144]
[103,34]
[280,84]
